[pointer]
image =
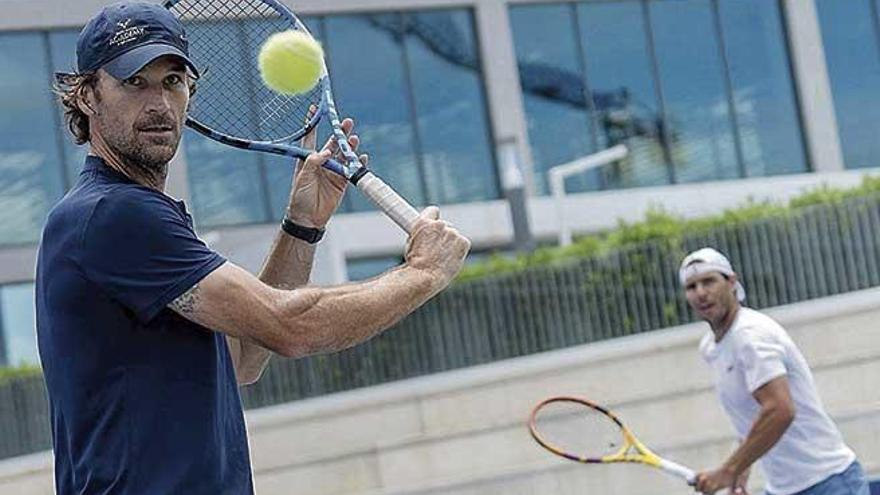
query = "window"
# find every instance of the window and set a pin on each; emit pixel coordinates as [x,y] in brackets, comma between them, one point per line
[62,50]
[595,74]
[31,177]
[419,107]
[226,184]
[18,341]
[850,38]
[763,92]
[557,113]
[623,90]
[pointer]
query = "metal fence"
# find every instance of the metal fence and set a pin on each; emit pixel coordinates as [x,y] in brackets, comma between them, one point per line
[813,252]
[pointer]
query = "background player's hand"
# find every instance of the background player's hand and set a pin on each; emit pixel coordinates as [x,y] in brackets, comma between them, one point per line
[316,191]
[740,487]
[711,481]
[436,247]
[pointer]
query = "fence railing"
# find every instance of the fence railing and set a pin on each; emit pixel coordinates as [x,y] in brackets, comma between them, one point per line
[813,252]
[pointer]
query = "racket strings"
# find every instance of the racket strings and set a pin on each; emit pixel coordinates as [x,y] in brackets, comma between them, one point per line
[225,38]
[577,429]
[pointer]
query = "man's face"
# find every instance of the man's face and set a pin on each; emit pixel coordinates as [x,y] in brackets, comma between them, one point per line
[141,118]
[711,295]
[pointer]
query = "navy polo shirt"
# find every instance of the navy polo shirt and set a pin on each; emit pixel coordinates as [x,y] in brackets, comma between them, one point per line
[142,400]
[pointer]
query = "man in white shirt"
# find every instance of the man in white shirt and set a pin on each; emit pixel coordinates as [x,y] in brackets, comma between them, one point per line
[767,390]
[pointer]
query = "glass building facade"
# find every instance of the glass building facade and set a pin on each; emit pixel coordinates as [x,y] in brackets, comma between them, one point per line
[599,73]
[851,38]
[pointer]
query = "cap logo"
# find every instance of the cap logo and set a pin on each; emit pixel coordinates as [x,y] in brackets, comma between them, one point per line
[126,34]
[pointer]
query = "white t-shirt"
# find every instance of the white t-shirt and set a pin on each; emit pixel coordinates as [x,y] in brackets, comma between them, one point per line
[754,351]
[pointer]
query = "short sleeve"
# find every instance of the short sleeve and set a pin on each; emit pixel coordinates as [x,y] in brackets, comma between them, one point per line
[761,359]
[141,249]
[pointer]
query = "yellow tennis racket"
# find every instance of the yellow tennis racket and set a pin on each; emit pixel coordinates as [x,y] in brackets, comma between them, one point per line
[577,429]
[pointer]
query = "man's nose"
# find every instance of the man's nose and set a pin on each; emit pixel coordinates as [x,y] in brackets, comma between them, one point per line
[157,100]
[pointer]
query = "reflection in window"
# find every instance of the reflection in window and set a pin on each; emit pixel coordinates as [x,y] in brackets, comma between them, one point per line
[623,90]
[421,111]
[377,99]
[850,39]
[766,108]
[18,341]
[30,161]
[595,74]
[448,97]
[691,75]
[553,92]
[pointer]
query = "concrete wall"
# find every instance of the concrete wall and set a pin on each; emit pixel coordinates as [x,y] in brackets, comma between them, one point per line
[463,432]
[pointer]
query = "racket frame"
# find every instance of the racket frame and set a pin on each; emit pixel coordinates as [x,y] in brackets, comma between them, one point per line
[632,450]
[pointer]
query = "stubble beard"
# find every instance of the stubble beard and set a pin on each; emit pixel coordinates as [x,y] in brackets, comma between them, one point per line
[145,156]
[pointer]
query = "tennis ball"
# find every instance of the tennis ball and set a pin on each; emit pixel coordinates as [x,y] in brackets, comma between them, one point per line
[291,62]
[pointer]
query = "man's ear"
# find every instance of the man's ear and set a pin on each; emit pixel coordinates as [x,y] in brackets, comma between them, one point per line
[732,279]
[87,100]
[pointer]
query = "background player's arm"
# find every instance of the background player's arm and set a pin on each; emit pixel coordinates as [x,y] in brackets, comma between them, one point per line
[776,414]
[310,320]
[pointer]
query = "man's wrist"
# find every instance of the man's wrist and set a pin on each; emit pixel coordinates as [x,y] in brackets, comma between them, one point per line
[303,220]
[300,231]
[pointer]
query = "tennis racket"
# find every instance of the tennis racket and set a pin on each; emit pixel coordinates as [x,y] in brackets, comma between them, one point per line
[225,37]
[581,431]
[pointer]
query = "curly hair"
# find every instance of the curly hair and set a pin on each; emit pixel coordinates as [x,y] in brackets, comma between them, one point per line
[70,89]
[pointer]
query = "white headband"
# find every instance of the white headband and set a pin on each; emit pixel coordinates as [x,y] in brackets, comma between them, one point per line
[708,260]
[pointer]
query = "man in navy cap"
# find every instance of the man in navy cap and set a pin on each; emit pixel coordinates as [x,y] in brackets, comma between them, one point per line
[145,332]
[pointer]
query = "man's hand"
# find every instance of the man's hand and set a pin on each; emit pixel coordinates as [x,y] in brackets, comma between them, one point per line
[436,248]
[710,482]
[316,191]
[740,487]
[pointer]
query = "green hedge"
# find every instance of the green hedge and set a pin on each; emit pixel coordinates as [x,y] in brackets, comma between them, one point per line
[9,374]
[666,229]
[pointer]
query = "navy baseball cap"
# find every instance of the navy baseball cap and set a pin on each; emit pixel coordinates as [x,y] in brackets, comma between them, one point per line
[126,36]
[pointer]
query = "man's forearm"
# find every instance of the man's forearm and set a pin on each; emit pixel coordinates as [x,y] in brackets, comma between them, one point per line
[766,431]
[288,266]
[331,319]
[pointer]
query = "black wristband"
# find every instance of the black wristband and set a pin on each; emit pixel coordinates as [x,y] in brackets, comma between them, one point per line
[308,234]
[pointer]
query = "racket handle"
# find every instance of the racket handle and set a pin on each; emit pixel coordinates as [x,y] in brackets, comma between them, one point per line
[677,469]
[387,200]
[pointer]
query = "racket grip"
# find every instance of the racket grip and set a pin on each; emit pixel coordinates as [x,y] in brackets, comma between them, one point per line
[387,200]
[677,469]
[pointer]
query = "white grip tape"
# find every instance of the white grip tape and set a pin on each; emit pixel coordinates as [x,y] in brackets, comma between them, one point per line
[387,200]
[677,469]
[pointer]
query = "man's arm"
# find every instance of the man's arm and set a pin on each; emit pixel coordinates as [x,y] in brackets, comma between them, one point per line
[310,320]
[315,195]
[287,267]
[776,414]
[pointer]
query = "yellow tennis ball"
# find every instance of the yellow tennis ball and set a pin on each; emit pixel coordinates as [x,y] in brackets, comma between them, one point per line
[291,62]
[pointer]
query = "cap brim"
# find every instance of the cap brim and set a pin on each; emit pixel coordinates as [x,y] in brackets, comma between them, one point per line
[130,62]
